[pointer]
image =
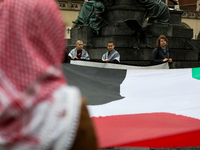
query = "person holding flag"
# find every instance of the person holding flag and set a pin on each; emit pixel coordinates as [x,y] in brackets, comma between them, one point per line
[78,52]
[111,55]
[161,53]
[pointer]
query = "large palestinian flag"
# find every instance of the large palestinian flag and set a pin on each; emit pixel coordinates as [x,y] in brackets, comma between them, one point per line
[141,107]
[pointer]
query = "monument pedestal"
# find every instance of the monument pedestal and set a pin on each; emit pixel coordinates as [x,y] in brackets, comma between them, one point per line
[132,49]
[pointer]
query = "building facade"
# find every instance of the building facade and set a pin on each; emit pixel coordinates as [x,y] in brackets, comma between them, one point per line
[70,10]
[190,17]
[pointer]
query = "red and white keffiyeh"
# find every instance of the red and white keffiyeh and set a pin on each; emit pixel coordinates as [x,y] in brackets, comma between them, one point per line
[37,110]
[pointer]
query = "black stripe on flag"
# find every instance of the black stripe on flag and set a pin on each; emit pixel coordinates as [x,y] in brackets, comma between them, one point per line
[98,85]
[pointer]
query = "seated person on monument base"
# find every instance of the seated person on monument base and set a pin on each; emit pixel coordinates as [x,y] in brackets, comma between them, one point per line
[161,53]
[78,52]
[111,55]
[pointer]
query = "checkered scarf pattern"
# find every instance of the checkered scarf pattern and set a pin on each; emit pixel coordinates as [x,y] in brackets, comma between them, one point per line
[31,50]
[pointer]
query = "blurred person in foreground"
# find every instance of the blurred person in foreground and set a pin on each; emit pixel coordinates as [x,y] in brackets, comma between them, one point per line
[37,109]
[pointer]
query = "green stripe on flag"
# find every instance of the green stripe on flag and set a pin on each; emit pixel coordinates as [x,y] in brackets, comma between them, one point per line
[196,73]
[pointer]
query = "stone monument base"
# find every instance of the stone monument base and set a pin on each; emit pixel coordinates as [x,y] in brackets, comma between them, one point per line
[134,49]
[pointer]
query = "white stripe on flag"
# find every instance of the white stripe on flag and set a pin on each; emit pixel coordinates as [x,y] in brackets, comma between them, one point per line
[149,91]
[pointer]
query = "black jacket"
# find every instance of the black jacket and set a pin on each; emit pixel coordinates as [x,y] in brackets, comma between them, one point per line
[158,55]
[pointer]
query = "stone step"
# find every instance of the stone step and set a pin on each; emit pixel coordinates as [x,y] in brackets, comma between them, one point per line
[174,65]
[124,41]
[130,54]
[122,29]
